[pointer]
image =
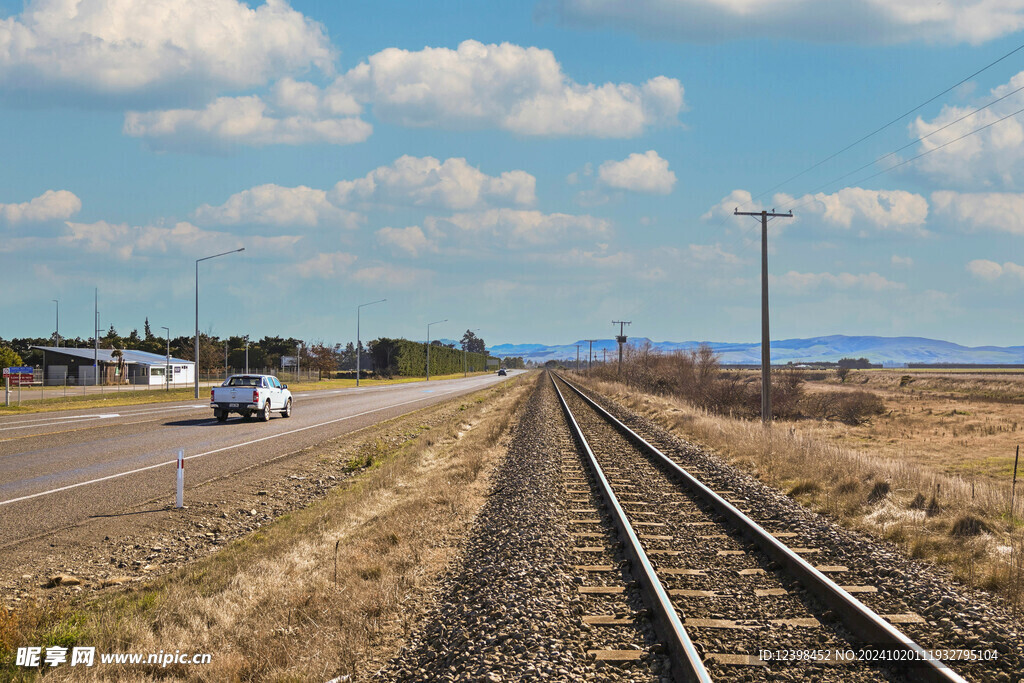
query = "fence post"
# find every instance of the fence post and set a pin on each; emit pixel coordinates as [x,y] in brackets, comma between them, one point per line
[179,497]
[1013,488]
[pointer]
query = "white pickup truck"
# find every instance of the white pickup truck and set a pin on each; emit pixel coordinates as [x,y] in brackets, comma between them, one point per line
[251,394]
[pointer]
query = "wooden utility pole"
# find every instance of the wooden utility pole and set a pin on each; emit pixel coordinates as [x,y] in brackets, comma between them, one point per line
[621,339]
[578,357]
[590,361]
[766,352]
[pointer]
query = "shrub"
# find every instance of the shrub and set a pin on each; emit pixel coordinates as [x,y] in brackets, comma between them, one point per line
[855,407]
[879,491]
[852,407]
[968,525]
[804,486]
[848,486]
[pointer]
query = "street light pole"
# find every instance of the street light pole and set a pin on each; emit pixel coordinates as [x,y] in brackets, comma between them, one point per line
[195,372]
[428,344]
[58,320]
[167,362]
[359,343]
[96,338]
[247,354]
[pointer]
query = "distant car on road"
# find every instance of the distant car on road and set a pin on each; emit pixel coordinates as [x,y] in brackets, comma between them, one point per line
[502,373]
[250,395]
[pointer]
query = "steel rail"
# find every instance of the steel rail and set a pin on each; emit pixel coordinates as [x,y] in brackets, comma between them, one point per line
[687,664]
[855,615]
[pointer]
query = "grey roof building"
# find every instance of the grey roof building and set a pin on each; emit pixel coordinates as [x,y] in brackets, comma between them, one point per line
[70,365]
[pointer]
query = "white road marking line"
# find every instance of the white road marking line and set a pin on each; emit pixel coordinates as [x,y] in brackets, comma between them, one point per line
[218,450]
[53,419]
[66,421]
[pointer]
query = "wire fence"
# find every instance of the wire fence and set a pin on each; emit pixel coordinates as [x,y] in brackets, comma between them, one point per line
[56,385]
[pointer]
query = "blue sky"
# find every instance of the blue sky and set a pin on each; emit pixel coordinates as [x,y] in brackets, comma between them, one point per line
[534,170]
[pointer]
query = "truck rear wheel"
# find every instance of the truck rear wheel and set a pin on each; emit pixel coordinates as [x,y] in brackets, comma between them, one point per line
[265,415]
[221,415]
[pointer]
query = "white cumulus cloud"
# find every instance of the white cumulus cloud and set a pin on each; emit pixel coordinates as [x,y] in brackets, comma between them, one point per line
[797,282]
[126,241]
[992,157]
[506,86]
[849,207]
[992,271]
[426,181]
[996,211]
[646,172]
[117,47]
[411,240]
[886,209]
[325,266]
[520,228]
[51,205]
[835,21]
[275,205]
[409,181]
[391,276]
[233,121]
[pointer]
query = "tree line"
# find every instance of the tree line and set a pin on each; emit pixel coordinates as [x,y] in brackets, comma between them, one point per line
[267,352]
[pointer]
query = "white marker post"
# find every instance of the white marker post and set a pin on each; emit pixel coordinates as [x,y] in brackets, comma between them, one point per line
[179,499]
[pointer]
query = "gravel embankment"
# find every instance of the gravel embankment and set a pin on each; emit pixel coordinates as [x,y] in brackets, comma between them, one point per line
[510,608]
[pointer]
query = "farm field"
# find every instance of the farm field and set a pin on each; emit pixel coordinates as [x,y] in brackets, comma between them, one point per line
[955,422]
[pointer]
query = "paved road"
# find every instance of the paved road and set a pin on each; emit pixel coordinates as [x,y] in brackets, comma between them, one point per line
[57,469]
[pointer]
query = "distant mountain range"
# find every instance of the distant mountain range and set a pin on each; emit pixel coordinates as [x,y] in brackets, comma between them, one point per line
[891,351]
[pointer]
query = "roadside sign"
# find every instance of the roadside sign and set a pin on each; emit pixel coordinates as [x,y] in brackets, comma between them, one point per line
[19,374]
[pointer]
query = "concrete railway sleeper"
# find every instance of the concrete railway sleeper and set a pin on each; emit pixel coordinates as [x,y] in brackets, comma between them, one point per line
[720,589]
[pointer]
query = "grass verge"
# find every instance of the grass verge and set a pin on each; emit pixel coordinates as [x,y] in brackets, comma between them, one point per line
[322,592]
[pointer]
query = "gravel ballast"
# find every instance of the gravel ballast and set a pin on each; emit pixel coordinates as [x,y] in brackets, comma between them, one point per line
[510,608]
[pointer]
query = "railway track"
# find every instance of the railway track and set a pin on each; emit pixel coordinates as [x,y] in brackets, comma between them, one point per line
[729,597]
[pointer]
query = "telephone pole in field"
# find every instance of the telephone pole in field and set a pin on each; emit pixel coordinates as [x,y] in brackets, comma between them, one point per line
[590,362]
[766,353]
[621,338]
[578,357]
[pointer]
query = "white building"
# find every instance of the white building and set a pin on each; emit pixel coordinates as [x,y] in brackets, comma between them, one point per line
[75,366]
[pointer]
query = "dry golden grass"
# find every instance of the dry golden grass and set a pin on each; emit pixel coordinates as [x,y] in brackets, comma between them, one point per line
[322,592]
[901,499]
[953,423]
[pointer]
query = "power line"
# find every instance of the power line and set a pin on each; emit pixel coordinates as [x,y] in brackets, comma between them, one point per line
[890,123]
[793,203]
[923,154]
[914,142]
